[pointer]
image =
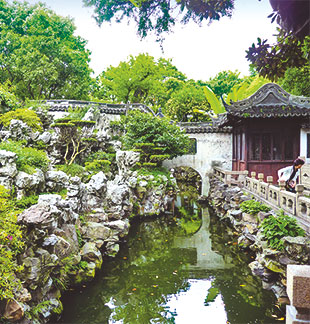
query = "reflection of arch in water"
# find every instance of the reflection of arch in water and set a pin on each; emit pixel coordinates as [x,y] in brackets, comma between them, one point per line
[206,258]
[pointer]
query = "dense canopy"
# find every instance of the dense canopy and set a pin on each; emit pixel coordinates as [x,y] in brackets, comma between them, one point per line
[39,53]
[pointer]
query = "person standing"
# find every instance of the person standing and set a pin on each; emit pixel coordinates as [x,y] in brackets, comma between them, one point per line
[290,174]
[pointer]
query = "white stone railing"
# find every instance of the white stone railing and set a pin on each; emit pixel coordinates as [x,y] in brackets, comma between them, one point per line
[295,204]
[231,177]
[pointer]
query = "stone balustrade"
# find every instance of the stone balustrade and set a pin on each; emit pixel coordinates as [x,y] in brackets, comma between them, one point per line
[231,177]
[294,204]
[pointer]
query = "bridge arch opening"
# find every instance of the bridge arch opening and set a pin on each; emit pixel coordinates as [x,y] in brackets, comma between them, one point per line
[189,180]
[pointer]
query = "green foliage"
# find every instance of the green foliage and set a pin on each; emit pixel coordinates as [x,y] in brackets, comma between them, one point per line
[215,104]
[188,103]
[296,81]
[98,165]
[8,100]
[145,128]
[26,202]
[79,236]
[245,89]
[140,79]
[274,228]
[223,82]
[159,16]
[40,55]
[72,170]
[11,244]
[253,207]
[28,158]
[25,115]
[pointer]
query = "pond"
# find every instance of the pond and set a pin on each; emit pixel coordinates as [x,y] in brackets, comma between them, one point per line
[178,268]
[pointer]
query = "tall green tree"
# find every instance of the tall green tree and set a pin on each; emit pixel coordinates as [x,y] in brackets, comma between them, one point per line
[223,82]
[188,103]
[39,53]
[141,79]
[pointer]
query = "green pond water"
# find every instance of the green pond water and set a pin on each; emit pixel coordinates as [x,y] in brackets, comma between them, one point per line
[180,268]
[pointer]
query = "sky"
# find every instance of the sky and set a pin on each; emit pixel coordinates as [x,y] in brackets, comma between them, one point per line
[199,52]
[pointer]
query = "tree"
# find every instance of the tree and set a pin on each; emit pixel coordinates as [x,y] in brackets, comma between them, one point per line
[139,80]
[159,16]
[142,128]
[188,104]
[223,82]
[39,53]
[297,81]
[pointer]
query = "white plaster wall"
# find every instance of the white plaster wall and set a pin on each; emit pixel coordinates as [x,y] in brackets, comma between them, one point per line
[212,149]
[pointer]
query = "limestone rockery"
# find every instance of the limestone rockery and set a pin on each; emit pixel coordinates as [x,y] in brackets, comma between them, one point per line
[66,238]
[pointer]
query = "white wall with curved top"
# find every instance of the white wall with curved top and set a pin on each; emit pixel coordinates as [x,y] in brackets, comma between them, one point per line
[213,149]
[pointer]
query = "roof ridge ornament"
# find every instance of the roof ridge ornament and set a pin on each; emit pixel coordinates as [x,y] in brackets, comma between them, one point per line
[268,94]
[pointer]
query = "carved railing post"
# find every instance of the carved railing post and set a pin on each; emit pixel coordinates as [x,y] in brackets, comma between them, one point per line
[260,177]
[282,184]
[270,180]
[253,174]
[300,189]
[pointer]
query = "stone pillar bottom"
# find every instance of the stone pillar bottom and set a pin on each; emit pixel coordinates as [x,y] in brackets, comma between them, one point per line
[294,316]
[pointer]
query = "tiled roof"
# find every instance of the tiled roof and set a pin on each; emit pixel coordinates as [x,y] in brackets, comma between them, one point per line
[269,101]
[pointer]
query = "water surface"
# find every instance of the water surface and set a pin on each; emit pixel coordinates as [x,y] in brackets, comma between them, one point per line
[174,270]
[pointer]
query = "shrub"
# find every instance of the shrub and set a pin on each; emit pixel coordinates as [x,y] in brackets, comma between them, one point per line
[28,158]
[26,202]
[97,166]
[26,115]
[253,207]
[11,244]
[275,228]
[72,170]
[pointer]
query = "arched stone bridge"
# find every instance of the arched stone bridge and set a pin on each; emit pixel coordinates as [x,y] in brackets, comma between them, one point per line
[213,145]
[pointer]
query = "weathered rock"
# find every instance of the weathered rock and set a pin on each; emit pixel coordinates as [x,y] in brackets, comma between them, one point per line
[95,231]
[297,248]
[126,160]
[117,194]
[29,183]
[42,216]
[97,184]
[45,137]
[7,164]
[56,180]
[122,227]
[13,311]
[19,131]
[90,253]
[249,218]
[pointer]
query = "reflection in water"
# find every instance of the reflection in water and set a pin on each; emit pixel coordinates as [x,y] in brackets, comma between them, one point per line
[164,275]
[206,258]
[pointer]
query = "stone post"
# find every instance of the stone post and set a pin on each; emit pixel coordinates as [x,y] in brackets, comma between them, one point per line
[298,291]
[242,177]
[260,177]
[253,174]
[299,189]
[282,184]
[270,180]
